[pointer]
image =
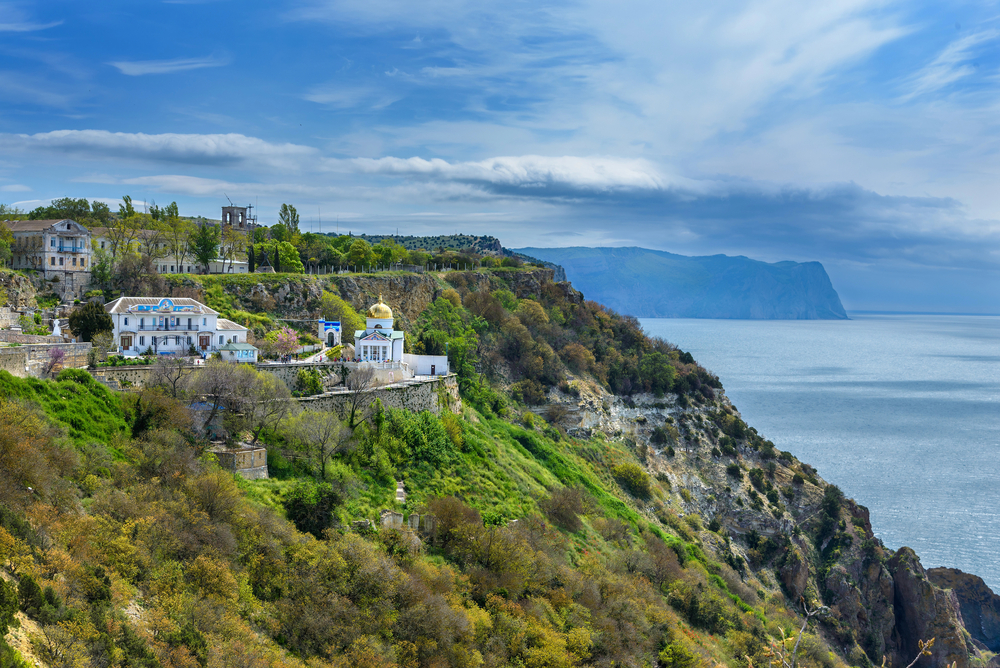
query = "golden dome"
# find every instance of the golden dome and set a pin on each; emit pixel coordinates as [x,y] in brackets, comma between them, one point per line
[380,311]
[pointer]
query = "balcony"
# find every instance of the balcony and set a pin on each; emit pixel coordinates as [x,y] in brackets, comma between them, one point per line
[167,328]
[70,249]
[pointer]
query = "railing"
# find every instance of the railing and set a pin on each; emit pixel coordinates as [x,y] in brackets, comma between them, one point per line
[168,328]
[70,249]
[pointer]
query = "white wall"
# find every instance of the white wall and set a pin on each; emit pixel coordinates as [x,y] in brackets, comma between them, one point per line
[421,364]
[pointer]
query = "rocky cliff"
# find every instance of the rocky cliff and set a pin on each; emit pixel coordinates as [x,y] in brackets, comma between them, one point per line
[780,530]
[655,284]
[979,606]
[16,291]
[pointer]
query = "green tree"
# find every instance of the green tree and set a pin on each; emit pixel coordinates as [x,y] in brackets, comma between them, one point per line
[178,236]
[360,255]
[204,241]
[89,319]
[332,307]
[320,435]
[289,217]
[288,256]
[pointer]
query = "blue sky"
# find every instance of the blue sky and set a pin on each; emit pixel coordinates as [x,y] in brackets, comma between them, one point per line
[860,134]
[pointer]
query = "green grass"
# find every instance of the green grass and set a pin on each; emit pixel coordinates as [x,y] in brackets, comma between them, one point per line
[89,411]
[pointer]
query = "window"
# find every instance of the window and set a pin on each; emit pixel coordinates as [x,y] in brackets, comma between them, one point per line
[126,321]
[102,245]
[74,262]
[171,269]
[204,321]
[177,340]
[189,269]
[52,261]
[61,262]
[220,339]
[83,262]
[52,242]
[190,341]
[142,340]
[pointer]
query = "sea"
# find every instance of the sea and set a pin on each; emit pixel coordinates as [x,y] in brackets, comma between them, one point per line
[902,412]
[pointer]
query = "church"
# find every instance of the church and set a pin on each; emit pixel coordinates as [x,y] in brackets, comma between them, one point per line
[379,342]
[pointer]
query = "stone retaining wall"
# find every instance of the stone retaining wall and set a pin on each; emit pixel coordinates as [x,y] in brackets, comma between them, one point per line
[30,360]
[435,395]
[8,336]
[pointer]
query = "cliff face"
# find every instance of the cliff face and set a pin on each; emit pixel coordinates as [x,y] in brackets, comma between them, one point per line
[655,284]
[18,290]
[881,603]
[980,607]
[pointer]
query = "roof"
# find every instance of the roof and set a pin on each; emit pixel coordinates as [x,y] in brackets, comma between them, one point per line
[204,406]
[237,346]
[36,225]
[130,304]
[383,334]
[223,324]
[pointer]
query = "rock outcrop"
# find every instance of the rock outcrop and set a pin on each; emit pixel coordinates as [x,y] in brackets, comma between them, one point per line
[924,611]
[16,291]
[979,605]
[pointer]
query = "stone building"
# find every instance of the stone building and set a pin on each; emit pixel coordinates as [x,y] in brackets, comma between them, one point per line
[248,461]
[57,249]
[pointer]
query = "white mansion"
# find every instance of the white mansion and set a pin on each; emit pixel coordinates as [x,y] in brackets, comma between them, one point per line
[170,326]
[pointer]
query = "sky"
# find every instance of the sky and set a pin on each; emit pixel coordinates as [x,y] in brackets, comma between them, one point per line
[862,134]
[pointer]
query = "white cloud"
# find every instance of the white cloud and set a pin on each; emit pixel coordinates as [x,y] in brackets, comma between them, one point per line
[951,65]
[14,19]
[349,97]
[140,67]
[530,172]
[14,188]
[231,150]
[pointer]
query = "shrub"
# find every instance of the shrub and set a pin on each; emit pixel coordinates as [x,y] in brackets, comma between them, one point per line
[633,479]
[733,470]
[310,507]
[564,508]
[676,655]
[798,479]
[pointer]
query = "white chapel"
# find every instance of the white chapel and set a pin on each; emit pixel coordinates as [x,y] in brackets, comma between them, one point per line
[379,342]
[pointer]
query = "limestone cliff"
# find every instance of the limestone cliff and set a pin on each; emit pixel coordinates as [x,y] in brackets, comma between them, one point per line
[979,605]
[16,291]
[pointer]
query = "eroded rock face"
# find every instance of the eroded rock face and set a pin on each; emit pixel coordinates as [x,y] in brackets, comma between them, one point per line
[979,605]
[407,294]
[924,611]
[19,290]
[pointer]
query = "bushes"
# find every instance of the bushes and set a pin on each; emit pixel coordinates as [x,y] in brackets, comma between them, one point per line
[310,507]
[564,508]
[734,471]
[633,479]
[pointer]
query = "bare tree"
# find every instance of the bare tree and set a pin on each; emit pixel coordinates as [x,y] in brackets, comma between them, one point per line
[168,373]
[321,435]
[360,383]
[103,343]
[256,400]
[213,382]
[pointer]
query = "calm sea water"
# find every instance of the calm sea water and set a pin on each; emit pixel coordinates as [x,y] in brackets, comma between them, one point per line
[902,412]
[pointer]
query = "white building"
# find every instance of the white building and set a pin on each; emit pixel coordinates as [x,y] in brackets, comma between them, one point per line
[378,342]
[170,326]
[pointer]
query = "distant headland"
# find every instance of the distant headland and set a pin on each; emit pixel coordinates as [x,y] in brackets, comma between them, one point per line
[656,284]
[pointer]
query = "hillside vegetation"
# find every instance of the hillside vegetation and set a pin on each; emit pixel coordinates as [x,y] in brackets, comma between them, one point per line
[597,499]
